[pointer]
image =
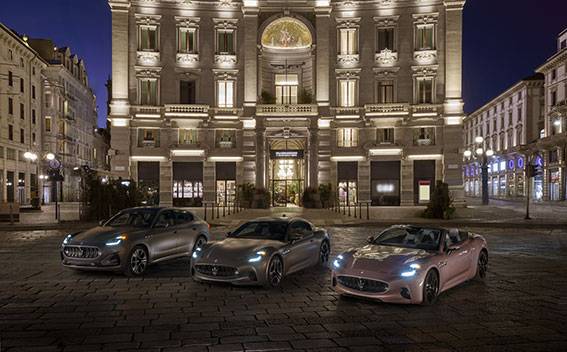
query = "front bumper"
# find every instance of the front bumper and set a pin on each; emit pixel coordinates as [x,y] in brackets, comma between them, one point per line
[236,274]
[399,290]
[107,259]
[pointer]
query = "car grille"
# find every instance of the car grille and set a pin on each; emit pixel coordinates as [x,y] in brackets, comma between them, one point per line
[215,270]
[82,252]
[362,284]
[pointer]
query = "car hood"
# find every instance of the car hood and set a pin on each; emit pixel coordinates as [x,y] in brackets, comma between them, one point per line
[101,234]
[384,259]
[231,249]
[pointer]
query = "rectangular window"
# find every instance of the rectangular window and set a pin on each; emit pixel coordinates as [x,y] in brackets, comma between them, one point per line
[385,92]
[385,39]
[33,92]
[347,92]
[22,112]
[148,137]
[225,138]
[11,132]
[553,98]
[33,116]
[48,123]
[10,106]
[22,136]
[424,91]
[148,92]
[10,79]
[348,41]
[425,37]
[225,41]
[147,38]
[33,137]
[22,84]
[286,88]
[385,135]
[347,137]
[187,92]
[187,136]
[225,93]
[187,40]
[424,136]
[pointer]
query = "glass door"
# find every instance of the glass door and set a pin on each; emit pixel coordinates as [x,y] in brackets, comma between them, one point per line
[348,192]
[226,192]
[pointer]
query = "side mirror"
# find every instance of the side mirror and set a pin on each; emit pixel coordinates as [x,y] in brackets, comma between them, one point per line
[370,239]
[228,234]
[101,222]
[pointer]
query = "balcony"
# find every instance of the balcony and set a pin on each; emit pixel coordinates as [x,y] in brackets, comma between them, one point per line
[386,58]
[227,144]
[226,113]
[148,143]
[348,59]
[148,58]
[387,110]
[186,110]
[351,112]
[426,110]
[425,57]
[298,110]
[184,59]
[146,111]
[423,142]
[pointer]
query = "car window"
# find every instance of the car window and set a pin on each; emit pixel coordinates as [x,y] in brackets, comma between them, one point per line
[263,230]
[300,228]
[165,219]
[133,217]
[183,217]
[456,237]
[410,237]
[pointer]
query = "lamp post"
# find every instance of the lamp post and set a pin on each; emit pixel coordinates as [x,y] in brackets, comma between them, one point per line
[481,154]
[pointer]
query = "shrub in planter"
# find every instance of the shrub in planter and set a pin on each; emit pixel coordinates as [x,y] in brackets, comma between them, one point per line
[261,199]
[325,194]
[310,198]
[245,195]
[441,204]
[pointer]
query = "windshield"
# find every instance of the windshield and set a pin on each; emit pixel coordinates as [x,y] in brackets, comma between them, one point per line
[133,217]
[410,237]
[262,230]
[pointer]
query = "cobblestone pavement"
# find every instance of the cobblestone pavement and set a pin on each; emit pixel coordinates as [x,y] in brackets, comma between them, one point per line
[44,307]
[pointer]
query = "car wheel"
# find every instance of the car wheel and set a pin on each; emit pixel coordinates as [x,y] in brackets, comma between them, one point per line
[430,288]
[482,265]
[275,272]
[324,253]
[137,262]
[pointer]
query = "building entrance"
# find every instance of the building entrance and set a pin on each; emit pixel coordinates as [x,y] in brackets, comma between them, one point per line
[287,170]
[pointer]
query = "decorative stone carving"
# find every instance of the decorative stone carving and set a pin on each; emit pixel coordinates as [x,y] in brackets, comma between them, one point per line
[348,59]
[425,57]
[386,58]
[223,59]
[148,58]
[187,59]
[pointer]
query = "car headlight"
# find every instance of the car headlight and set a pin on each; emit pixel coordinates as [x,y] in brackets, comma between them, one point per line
[412,270]
[257,257]
[116,240]
[196,253]
[338,262]
[67,239]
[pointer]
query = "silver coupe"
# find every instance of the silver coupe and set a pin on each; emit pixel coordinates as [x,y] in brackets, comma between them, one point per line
[135,238]
[262,252]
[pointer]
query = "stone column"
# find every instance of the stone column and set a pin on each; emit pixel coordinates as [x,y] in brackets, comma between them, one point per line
[119,104]
[313,180]
[260,153]
[453,105]
[250,58]
[209,181]
[166,183]
[364,180]
[323,54]
[406,183]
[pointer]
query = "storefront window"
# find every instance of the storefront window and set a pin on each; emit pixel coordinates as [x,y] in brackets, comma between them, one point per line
[554,185]
[348,192]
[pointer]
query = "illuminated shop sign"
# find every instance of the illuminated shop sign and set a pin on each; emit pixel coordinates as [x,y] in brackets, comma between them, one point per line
[385,187]
[503,165]
[286,154]
[424,191]
[520,163]
[511,164]
[538,161]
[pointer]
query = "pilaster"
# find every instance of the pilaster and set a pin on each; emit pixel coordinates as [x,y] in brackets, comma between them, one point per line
[323,19]
[453,104]
[250,56]
[166,183]
[313,180]
[260,153]
[407,197]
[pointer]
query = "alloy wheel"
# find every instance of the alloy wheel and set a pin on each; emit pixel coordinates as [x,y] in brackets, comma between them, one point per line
[275,271]
[138,261]
[482,264]
[324,253]
[431,288]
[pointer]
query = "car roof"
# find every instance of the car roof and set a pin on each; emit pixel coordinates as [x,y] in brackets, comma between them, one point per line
[422,227]
[277,219]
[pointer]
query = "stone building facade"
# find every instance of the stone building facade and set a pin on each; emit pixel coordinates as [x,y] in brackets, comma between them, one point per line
[524,125]
[20,117]
[362,95]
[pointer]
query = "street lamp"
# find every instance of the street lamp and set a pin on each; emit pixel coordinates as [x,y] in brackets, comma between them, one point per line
[482,155]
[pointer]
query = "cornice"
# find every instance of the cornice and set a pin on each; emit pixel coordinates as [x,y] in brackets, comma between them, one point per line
[554,60]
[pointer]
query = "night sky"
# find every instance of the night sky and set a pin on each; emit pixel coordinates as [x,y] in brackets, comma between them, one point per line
[504,40]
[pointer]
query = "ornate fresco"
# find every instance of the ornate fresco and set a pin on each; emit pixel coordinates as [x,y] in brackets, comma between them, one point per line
[286,33]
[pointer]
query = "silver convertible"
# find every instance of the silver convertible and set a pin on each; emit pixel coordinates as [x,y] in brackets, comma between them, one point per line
[135,238]
[262,252]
